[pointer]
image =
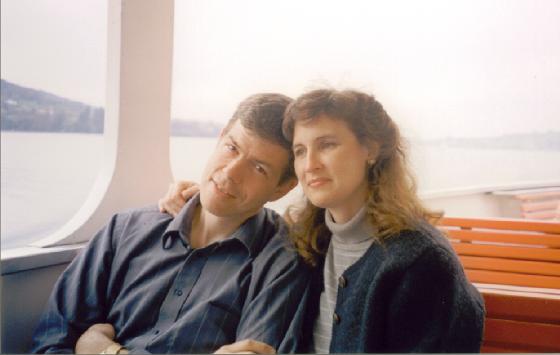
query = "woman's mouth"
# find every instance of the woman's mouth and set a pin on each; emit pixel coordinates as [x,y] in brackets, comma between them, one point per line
[317,182]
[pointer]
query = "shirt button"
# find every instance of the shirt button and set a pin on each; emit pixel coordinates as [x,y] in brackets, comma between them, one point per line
[335,318]
[156,332]
[178,292]
[342,282]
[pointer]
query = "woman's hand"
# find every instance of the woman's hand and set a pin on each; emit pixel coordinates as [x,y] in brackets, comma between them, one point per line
[246,346]
[177,195]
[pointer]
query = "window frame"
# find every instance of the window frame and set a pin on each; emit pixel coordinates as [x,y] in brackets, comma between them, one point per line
[135,168]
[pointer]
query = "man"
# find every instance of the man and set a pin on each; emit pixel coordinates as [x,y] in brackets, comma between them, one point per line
[217,273]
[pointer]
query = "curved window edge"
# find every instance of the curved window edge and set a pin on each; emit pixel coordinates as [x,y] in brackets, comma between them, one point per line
[136,167]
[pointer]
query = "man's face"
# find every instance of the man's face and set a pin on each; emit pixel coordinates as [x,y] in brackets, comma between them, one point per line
[243,174]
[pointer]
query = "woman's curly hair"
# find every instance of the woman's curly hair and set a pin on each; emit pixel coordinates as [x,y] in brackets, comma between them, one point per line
[392,204]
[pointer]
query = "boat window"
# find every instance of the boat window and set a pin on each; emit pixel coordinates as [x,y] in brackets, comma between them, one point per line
[52,99]
[474,92]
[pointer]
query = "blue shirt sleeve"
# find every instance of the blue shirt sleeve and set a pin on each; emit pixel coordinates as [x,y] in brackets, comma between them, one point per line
[79,297]
[275,306]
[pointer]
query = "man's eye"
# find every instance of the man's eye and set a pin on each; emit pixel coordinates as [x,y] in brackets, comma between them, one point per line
[230,147]
[260,169]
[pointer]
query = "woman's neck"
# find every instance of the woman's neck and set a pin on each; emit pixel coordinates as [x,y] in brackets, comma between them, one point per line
[345,213]
[357,229]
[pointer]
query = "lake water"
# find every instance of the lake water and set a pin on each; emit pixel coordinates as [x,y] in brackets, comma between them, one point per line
[45,177]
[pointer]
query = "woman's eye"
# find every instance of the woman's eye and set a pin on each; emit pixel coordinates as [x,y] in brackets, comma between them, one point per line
[298,152]
[327,145]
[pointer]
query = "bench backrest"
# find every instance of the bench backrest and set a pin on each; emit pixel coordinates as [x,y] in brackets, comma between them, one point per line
[505,251]
[521,321]
[543,205]
[516,266]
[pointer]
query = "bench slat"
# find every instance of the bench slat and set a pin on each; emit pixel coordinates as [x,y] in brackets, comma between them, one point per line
[503,223]
[536,337]
[546,215]
[508,278]
[510,252]
[517,266]
[540,206]
[521,307]
[538,195]
[499,349]
[550,240]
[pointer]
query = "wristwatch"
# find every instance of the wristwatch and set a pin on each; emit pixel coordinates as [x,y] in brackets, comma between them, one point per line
[114,348]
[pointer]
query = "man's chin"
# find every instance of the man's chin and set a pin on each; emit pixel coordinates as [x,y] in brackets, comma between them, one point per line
[217,210]
[215,205]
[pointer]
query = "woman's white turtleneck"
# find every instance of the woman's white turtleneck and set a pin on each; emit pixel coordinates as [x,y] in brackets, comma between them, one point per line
[349,242]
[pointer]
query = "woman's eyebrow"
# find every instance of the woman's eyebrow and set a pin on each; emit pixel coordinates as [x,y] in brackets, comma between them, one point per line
[326,136]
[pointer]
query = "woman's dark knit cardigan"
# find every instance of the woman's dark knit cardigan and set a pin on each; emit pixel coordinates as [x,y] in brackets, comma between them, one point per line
[409,294]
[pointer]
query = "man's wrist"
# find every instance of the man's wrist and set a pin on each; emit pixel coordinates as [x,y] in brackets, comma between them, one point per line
[114,348]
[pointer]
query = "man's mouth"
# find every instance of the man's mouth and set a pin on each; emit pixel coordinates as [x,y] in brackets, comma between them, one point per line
[222,190]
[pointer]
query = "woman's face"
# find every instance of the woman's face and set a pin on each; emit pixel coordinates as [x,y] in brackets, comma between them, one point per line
[331,166]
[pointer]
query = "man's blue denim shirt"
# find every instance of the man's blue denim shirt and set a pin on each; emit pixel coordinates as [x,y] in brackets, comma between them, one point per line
[140,274]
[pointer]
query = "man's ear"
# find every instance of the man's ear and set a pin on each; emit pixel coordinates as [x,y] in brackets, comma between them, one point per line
[283,189]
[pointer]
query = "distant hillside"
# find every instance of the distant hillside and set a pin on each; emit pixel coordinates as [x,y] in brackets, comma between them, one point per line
[524,141]
[30,110]
[24,109]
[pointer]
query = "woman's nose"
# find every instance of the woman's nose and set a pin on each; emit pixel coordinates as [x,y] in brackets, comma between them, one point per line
[312,162]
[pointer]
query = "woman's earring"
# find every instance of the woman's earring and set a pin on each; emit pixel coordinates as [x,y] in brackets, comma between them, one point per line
[371,162]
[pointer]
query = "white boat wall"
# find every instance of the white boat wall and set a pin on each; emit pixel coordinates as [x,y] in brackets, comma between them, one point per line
[137,122]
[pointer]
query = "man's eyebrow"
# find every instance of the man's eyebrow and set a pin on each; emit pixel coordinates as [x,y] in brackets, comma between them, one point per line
[229,136]
[258,161]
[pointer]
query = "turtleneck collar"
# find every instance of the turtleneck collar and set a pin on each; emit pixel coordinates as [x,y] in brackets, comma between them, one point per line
[356,230]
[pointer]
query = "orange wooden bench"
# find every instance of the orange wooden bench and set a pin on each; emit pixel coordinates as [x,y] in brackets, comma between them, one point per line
[516,266]
[543,205]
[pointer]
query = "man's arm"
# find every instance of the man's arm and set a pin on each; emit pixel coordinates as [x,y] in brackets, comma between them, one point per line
[79,298]
[274,310]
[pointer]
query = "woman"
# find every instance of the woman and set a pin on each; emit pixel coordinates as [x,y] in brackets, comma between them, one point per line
[385,280]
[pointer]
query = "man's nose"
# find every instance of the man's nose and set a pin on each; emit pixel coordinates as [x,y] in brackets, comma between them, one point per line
[234,170]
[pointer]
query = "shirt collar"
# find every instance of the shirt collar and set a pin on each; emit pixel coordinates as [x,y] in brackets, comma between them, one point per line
[250,233]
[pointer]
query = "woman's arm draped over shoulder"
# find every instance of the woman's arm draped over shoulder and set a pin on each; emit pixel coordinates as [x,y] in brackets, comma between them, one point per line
[177,196]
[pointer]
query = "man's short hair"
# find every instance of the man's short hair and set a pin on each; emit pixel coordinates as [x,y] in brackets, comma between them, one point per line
[263,114]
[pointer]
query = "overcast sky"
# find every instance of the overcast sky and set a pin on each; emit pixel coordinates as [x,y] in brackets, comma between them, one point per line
[441,68]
